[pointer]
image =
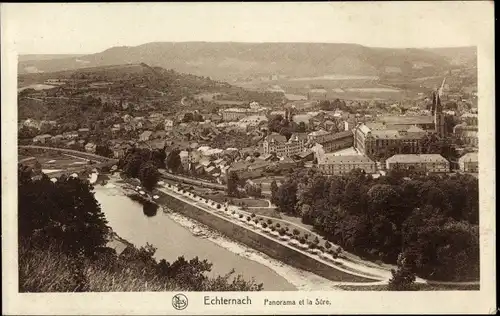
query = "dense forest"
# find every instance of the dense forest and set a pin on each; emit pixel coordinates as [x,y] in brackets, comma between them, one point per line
[63,237]
[432,221]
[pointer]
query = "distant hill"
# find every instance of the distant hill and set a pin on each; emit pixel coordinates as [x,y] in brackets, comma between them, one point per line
[457,55]
[228,60]
[37,57]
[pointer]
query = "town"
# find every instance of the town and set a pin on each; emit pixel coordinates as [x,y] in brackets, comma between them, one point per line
[314,176]
[436,134]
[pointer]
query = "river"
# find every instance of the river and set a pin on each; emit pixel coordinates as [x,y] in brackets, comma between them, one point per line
[140,226]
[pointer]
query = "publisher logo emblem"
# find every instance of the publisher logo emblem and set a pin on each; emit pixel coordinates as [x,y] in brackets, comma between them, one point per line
[179,301]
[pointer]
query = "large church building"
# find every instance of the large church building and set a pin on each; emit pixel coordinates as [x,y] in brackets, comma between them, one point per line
[402,132]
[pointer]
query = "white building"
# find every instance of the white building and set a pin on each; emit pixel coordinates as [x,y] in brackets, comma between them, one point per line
[169,125]
[432,163]
[331,164]
[278,144]
[469,163]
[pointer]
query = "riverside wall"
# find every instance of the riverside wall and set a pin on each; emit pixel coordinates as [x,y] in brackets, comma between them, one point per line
[262,243]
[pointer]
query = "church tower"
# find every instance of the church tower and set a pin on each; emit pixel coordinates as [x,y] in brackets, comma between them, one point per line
[437,111]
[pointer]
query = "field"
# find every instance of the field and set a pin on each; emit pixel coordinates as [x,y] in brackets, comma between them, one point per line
[55,161]
[36,87]
[337,86]
[229,102]
[250,202]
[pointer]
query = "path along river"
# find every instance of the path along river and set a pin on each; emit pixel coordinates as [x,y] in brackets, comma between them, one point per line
[172,235]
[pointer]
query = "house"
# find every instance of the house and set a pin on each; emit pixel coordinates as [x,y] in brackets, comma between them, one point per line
[127,118]
[469,163]
[278,144]
[233,114]
[331,141]
[205,162]
[306,155]
[168,124]
[90,147]
[184,156]
[159,135]
[286,163]
[467,134]
[248,170]
[83,131]
[32,123]
[429,163]
[331,164]
[145,136]
[120,150]
[57,139]
[42,139]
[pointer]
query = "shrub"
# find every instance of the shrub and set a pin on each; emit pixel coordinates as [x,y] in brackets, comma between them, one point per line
[218,206]
[316,240]
[339,250]
[273,228]
[321,248]
[287,228]
[240,216]
[306,236]
[328,245]
[278,225]
[256,221]
[264,225]
[233,212]
[253,215]
[249,218]
[269,222]
[296,232]
[282,232]
[302,240]
[312,246]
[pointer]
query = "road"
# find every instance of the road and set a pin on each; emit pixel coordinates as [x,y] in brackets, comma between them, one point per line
[378,277]
[192,181]
[70,151]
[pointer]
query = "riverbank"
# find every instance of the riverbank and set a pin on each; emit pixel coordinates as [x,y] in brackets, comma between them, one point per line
[301,280]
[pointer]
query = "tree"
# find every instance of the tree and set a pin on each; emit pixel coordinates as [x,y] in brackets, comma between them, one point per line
[103,150]
[402,278]
[302,128]
[64,212]
[188,117]
[287,197]
[274,192]
[174,160]
[254,190]
[232,184]
[158,156]
[316,240]
[149,175]
[131,163]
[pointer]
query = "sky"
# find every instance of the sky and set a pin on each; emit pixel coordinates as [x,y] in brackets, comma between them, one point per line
[82,28]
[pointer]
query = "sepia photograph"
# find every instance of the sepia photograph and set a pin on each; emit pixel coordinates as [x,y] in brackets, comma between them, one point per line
[297,150]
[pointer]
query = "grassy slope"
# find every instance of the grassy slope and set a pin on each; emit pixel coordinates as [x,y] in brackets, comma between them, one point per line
[51,271]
